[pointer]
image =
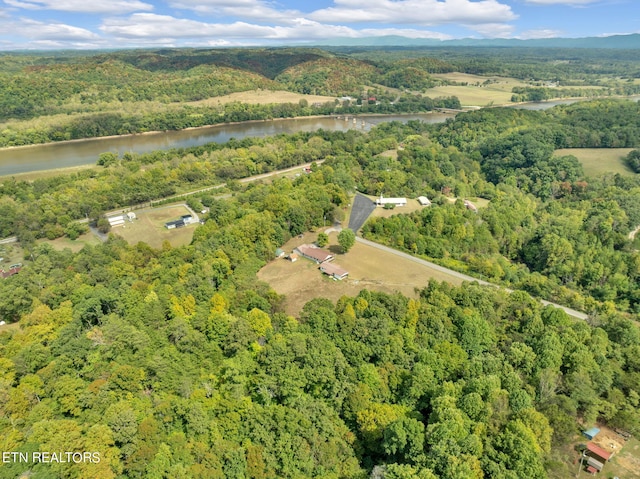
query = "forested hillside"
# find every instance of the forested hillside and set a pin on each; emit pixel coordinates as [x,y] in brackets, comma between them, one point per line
[178,362]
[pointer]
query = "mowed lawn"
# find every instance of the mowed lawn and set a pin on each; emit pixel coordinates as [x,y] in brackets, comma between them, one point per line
[149,227]
[598,161]
[369,268]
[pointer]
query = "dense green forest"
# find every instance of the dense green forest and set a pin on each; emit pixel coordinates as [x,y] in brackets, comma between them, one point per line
[178,362]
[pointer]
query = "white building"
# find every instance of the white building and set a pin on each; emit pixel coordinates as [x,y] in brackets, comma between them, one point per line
[391,201]
[115,220]
[424,201]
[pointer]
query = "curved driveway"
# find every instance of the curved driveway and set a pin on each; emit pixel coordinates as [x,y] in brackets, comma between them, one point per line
[464,277]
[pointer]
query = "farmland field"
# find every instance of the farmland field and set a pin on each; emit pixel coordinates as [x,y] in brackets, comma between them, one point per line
[149,227]
[369,268]
[479,91]
[597,161]
[264,97]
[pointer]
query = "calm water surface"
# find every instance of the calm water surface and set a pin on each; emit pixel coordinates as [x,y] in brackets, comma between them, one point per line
[86,152]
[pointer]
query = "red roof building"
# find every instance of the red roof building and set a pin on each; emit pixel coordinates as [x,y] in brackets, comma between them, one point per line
[597,452]
[314,253]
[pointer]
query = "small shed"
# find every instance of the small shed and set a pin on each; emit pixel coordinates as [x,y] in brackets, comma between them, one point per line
[591,433]
[597,452]
[293,257]
[424,201]
[279,252]
[597,465]
[131,216]
[470,206]
[115,220]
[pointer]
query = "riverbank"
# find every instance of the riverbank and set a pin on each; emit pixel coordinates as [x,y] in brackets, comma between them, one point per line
[213,125]
[40,174]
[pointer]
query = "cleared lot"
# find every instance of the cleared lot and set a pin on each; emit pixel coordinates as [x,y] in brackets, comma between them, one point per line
[149,227]
[369,268]
[597,161]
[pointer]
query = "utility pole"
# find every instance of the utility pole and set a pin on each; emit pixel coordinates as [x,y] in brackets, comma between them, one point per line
[580,466]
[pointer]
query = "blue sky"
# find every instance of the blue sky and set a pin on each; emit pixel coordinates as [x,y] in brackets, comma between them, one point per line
[84,24]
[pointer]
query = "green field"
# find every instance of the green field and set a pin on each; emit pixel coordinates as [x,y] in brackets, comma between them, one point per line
[625,464]
[149,227]
[76,245]
[598,161]
[478,91]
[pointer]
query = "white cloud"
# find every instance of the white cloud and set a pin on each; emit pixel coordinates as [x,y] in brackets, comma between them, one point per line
[561,2]
[248,9]
[542,33]
[151,26]
[416,12]
[56,32]
[403,32]
[83,6]
[493,30]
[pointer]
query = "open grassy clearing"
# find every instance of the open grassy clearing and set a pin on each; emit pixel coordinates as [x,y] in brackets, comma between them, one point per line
[369,268]
[598,161]
[36,175]
[76,245]
[472,95]
[626,463]
[262,97]
[479,91]
[149,227]
[411,206]
[504,83]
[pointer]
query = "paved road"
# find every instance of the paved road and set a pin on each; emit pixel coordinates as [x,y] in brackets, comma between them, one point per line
[464,277]
[362,208]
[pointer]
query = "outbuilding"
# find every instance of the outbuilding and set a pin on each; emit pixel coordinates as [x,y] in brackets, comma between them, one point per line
[596,452]
[391,201]
[424,201]
[170,225]
[591,433]
[333,270]
[115,220]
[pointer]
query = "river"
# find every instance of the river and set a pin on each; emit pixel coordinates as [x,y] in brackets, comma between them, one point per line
[86,152]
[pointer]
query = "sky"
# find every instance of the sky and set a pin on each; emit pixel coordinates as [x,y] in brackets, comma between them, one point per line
[101,24]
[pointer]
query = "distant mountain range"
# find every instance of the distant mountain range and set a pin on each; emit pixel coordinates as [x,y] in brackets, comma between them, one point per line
[631,41]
